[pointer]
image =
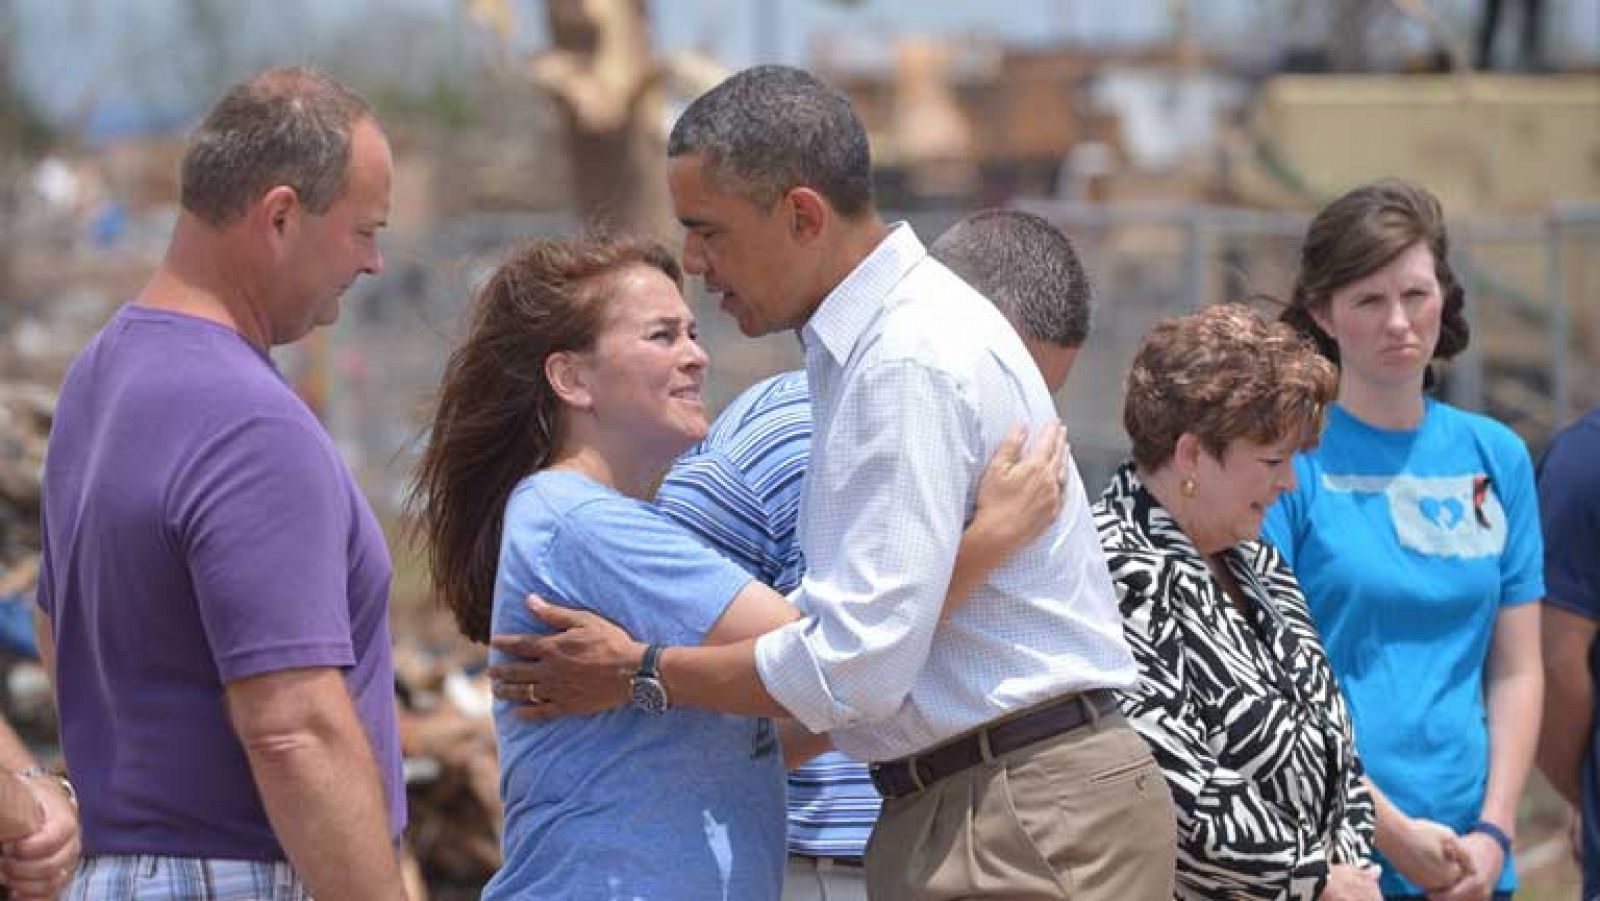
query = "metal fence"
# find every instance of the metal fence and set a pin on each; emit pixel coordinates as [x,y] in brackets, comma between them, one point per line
[1533,304]
[1533,288]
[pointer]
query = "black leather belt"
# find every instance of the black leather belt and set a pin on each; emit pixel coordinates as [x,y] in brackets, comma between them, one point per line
[823,862]
[907,775]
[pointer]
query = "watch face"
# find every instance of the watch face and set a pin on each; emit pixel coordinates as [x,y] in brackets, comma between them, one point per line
[649,695]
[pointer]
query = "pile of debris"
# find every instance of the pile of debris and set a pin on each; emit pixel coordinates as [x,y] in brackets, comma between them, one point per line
[452,769]
[25,413]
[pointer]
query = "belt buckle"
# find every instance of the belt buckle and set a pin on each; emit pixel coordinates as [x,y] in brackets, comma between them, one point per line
[887,779]
[877,770]
[899,778]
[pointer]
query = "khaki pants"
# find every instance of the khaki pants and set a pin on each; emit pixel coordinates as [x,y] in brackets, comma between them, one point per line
[813,879]
[1083,816]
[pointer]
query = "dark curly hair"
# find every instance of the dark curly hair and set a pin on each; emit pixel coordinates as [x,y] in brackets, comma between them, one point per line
[1362,232]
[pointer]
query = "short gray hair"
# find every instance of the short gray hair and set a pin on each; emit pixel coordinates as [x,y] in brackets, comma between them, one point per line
[1027,267]
[767,130]
[286,126]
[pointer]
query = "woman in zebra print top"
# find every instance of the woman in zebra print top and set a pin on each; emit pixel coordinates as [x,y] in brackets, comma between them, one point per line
[1235,696]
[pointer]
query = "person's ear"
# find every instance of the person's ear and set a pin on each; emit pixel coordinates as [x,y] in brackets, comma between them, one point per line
[807,214]
[1186,454]
[1321,316]
[278,213]
[569,379]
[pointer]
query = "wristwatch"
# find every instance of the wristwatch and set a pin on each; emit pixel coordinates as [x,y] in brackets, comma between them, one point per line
[649,694]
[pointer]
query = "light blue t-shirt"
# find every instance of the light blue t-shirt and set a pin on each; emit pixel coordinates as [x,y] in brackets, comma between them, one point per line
[626,805]
[739,492]
[1408,544]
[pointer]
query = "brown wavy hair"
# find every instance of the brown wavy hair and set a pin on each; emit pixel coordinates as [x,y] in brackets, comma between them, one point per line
[1362,232]
[497,418]
[1224,374]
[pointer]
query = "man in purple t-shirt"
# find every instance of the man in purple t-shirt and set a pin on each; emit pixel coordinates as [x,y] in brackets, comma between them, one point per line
[213,596]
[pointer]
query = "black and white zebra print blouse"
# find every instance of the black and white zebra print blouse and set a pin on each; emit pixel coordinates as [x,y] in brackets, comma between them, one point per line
[1242,712]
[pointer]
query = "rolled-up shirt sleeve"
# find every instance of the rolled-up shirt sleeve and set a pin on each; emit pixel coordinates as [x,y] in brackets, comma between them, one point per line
[899,459]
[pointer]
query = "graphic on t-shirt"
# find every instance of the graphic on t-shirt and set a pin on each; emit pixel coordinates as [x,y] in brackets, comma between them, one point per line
[1442,516]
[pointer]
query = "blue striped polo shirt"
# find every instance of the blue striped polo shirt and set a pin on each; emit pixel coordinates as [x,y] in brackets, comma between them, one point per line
[739,491]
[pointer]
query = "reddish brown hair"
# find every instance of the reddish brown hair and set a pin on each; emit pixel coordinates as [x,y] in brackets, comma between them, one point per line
[1224,374]
[498,419]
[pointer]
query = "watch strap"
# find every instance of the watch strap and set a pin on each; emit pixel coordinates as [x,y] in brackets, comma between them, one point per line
[1496,833]
[649,667]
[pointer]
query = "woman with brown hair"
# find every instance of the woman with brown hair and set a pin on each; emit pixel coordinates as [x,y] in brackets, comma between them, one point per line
[578,384]
[1415,533]
[1235,696]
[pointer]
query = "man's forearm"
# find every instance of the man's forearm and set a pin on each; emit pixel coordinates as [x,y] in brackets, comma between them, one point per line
[1565,728]
[321,787]
[1564,734]
[14,755]
[721,677]
[327,810]
[20,813]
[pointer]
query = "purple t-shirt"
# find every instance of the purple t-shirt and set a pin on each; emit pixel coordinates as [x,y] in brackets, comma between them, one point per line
[199,528]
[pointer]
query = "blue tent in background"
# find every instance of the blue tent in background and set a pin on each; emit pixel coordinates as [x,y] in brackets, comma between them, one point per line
[16,626]
[109,123]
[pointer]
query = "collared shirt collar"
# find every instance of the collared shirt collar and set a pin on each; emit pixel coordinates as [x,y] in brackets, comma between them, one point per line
[852,305]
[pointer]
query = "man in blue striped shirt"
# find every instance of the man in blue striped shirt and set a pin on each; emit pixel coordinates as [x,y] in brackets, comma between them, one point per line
[739,490]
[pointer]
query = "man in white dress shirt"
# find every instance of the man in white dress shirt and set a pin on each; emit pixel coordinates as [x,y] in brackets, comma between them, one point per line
[994,736]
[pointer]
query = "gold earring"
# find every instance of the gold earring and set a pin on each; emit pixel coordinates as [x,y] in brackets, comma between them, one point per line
[1187,487]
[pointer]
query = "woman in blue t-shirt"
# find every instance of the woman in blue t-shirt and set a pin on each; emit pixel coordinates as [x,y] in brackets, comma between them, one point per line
[1415,534]
[578,384]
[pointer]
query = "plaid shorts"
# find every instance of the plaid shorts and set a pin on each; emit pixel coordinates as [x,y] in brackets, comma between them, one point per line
[147,877]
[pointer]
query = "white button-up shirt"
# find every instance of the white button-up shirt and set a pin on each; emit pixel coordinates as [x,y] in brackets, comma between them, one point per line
[915,380]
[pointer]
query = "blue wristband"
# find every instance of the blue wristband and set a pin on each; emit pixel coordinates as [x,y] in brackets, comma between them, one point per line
[1496,833]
